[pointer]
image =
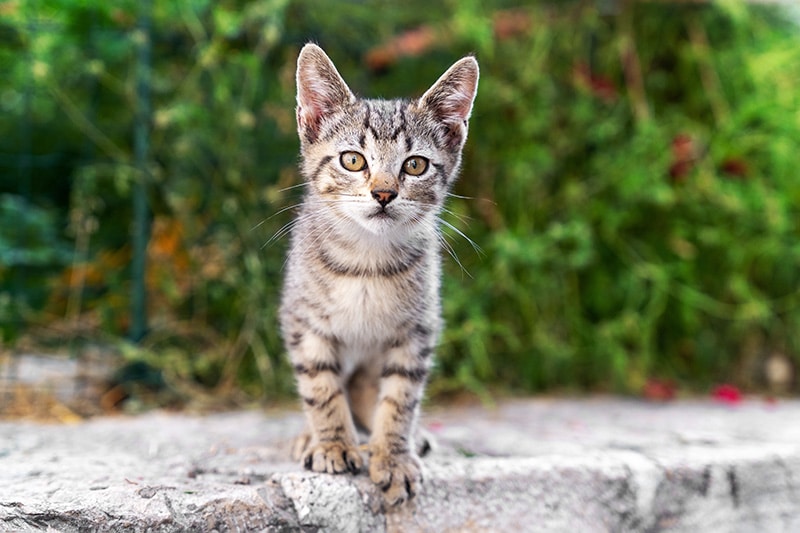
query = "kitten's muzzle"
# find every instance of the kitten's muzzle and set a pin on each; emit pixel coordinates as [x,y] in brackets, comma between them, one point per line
[384,196]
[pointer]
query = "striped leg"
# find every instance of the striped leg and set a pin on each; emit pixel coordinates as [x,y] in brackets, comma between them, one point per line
[333,445]
[362,390]
[394,465]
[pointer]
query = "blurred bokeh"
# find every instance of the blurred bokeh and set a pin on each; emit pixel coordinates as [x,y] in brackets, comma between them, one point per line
[631,185]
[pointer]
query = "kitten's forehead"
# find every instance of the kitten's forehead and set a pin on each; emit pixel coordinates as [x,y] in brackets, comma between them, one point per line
[385,120]
[376,122]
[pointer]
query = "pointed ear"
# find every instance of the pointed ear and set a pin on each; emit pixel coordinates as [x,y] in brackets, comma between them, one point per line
[320,90]
[450,98]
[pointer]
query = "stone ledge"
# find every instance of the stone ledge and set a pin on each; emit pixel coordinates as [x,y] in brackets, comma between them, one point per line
[535,465]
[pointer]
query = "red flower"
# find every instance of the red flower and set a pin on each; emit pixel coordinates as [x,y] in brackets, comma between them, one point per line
[735,167]
[659,390]
[727,394]
[684,156]
[597,84]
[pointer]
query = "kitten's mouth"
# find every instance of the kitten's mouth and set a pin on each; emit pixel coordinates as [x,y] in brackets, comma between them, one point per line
[381,214]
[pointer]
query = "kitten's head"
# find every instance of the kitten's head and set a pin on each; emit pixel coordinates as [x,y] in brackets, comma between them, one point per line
[384,164]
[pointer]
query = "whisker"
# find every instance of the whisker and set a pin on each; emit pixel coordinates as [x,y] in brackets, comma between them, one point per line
[452,252]
[454,195]
[441,238]
[273,215]
[475,247]
[464,219]
[286,228]
[460,197]
[290,187]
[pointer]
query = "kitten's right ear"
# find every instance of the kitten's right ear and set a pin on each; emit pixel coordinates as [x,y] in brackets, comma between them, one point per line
[451,97]
[320,90]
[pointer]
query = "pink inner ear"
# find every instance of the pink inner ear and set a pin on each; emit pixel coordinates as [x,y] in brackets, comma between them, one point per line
[456,107]
[452,95]
[320,88]
[314,95]
[311,101]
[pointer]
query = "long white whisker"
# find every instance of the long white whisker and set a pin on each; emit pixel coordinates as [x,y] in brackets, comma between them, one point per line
[440,237]
[464,219]
[453,195]
[290,187]
[273,215]
[286,228]
[475,247]
[451,251]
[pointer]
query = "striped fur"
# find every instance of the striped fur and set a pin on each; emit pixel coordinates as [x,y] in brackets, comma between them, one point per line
[360,311]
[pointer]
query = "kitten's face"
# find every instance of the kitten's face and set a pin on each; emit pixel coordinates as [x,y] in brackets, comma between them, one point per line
[378,164]
[385,165]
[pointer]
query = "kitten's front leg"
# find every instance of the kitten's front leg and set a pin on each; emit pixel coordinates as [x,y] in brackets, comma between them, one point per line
[333,447]
[394,465]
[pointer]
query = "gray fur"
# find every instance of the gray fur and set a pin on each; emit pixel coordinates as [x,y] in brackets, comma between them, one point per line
[360,311]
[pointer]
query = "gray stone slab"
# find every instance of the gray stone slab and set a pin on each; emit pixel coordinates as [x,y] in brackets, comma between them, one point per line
[526,465]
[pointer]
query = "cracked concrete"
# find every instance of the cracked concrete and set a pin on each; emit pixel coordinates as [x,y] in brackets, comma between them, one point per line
[527,465]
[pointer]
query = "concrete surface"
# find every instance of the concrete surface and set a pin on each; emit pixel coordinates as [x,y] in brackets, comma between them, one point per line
[527,465]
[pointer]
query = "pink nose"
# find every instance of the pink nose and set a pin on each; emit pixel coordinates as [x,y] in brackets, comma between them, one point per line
[384,196]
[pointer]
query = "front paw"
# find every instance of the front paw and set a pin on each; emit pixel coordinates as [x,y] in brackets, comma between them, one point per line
[399,476]
[333,457]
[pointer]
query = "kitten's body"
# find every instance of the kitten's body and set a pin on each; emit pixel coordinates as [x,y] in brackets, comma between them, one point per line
[360,309]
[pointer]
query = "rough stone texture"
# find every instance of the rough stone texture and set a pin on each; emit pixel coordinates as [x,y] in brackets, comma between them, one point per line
[534,465]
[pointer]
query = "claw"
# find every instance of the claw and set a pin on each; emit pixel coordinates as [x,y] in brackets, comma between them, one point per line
[408,488]
[424,448]
[352,465]
[332,458]
[398,476]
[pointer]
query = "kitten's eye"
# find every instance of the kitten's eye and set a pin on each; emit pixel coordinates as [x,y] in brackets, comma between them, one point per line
[353,161]
[415,165]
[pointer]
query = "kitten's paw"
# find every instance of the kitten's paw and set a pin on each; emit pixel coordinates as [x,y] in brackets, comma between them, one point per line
[398,476]
[301,444]
[333,458]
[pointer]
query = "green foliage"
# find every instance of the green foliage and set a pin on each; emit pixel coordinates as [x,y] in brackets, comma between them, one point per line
[607,262]
[28,235]
[630,177]
[29,247]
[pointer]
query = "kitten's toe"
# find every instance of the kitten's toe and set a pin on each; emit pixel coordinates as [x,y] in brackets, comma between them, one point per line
[398,476]
[333,458]
[301,444]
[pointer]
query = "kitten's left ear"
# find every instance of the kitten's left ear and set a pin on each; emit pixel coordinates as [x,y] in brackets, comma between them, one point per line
[320,90]
[451,97]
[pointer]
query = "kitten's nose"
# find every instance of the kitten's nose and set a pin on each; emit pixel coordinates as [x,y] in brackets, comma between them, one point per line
[384,196]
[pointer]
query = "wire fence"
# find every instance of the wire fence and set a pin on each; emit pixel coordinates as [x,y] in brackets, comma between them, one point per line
[31,385]
[25,159]
[91,249]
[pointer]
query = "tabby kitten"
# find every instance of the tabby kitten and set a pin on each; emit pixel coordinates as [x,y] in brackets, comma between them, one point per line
[360,306]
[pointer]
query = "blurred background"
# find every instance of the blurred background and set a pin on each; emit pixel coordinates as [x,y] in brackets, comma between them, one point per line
[631,184]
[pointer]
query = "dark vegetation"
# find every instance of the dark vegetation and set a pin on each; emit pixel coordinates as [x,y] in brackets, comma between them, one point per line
[631,179]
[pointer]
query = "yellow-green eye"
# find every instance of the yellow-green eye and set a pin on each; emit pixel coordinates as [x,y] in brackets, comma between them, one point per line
[415,165]
[353,161]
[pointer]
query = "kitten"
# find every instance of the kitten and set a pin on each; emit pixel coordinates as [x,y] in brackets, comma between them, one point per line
[360,306]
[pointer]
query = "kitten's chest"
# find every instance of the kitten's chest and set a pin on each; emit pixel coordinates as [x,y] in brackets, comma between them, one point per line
[370,296]
[362,292]
[372,309]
